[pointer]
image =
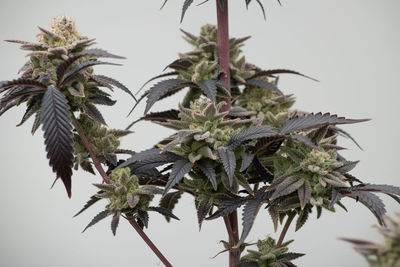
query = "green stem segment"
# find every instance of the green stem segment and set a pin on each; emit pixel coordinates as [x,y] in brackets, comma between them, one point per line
[285,229]
[107,181]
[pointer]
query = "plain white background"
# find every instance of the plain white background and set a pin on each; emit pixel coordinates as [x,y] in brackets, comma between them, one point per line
[350,46]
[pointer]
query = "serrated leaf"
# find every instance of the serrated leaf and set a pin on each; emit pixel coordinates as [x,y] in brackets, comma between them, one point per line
[5,85]
[289,256]
[278,71]
[149,190]
[97,52]
[181,137]
[91,201]
[62,68]
[264,174]
[228,159]
[36,123]
[382,188]
[157,77]
[287,186]
[347,166]
[227,207]
[372,202]
[253,132]
[304,140]
[163,211]
[265,85]
[209,88]
[180,168]
[19,92]
[159,89]
[207,167]
[113,82]
[82,66]
[102,215]
[169,201]
[311,120]
[250,211]
[203,208]
[94,113]
[186,5]
[102,100]
[304,193]
[56,119]
[143,216]
[115,222]
[273,212]
[301,220]
[247,159]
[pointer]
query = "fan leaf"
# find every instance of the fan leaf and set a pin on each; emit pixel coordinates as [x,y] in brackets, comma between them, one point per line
[311,120]
[227,157]
[163,211]
[265,85]
[209,88]
[180,168]
[160,89]
[102,215]
[253,132]
[94,113]
[207,167]
[82,66]
[169,200]
[56,119]
[186,5]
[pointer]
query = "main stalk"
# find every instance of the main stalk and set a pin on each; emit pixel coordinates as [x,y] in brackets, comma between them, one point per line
[231,220]
[223,47]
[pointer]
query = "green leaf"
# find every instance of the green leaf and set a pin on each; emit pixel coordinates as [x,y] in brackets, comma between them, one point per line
[56,119]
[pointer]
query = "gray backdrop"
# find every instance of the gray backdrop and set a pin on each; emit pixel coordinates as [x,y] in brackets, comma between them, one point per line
[350,46]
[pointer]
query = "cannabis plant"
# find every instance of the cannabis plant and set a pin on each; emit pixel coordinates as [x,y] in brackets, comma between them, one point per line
[386,254]
[237,142]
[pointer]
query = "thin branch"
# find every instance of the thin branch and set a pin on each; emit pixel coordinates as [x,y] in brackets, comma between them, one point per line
[285,229]
[107,181]
[148,241]
[89,149]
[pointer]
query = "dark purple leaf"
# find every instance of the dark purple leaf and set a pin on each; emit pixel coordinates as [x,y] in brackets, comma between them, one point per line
[56,119]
